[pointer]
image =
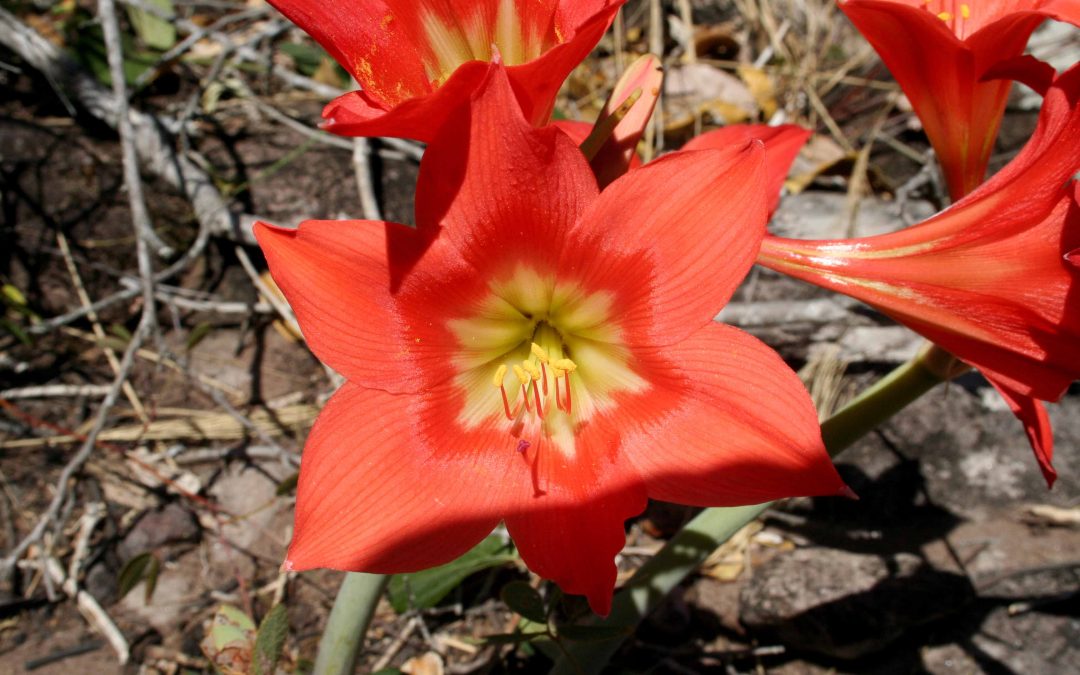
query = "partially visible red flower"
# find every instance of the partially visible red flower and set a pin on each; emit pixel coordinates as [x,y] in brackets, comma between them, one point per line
[416,60]
[782,144]
[993,279]
[939,51]
[545,356]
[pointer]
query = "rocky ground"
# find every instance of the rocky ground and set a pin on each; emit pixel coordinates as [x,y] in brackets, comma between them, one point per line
[955,559]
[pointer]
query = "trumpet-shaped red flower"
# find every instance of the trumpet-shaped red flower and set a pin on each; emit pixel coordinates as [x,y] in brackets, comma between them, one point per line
[416,60]
[539,353]
[939,51]
[994,279]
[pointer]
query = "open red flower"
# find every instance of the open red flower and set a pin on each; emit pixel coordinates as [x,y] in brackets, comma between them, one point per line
[416,60]
[539,353]
[994,279]
[939,51]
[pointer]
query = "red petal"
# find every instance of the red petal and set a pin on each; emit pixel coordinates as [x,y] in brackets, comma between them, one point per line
[782,145]
[373,497]
[418,118]
[579,131]
[351,305]
[505,192]
[676,237]
[727,423]
[1027,69]
[961,115]
[1036,425]
[386,46]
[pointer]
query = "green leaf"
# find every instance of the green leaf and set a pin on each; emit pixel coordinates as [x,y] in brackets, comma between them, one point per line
[198,333]
[388,671]
[155,32]
[271,638]
[307,56]
[153,569]
[16,330]
[508,638]
[14,296]
[523,599]
[120,331]
[582,633]
[288,485]
[133,572]
[422,590]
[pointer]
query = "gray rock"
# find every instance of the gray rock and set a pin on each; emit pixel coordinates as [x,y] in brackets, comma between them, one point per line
[169,525]
[846,605]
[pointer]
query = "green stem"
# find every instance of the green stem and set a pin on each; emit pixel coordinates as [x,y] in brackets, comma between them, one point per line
[349,619]
[712,527]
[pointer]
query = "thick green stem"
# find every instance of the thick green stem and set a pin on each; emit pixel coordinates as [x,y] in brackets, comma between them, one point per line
[712,527]
[349,619]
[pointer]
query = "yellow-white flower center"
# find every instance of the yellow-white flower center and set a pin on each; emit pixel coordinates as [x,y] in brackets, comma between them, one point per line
[470,38]
[541,356]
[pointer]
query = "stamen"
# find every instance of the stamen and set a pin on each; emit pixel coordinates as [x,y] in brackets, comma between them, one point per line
[965,11]
[569,402]
[524,379]
[945,16]
[542,357]
[556,374]
[500,373]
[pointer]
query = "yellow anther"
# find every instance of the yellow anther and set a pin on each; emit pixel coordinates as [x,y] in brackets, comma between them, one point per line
[945,16]
[565,365]
[965,11]
[557,372]
[539,353]
[531,368]
[522,376]
[500,373]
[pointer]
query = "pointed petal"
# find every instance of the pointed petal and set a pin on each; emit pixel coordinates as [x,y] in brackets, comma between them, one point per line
[1036,74]
[1036,425]
[574,541]
[960,114]
[727,423]
[361,293]
[782,144]
[373,497]
[677,236]
[418,118]
[503,191]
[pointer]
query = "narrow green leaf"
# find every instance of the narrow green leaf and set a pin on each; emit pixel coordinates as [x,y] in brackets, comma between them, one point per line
[16,330]
[154,31]
[133,572]
[271,638]
[14,296]
[120,331]
[198,333]
[288,485]
[153,569]
[523,599]
[507,638]
[582,633]
[422,590]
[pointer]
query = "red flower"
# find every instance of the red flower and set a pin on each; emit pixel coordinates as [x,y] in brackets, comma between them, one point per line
[539,353]
[416,60]
[993,279]
[782,144]
[939,51]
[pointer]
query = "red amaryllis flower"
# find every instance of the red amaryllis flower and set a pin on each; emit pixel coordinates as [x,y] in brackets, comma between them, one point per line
[994,279]
[939,51]
[416,60]
[539,353]
[782,144]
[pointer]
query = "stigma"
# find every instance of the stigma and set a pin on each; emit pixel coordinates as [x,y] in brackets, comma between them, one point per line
[540,378]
